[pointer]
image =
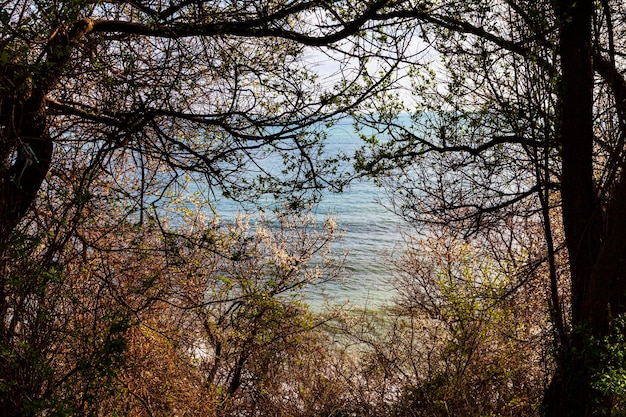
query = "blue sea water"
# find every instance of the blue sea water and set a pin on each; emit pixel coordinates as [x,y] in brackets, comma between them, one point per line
[371,240]
[371,235]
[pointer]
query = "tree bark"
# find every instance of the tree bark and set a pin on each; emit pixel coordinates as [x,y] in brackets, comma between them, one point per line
[25,144]
[594,229]
[29,163]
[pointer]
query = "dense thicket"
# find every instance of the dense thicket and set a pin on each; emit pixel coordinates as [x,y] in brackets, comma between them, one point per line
[113,112]
[522,121]
[115,117]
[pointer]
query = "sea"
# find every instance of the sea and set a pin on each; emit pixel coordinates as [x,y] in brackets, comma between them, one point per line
[371,238]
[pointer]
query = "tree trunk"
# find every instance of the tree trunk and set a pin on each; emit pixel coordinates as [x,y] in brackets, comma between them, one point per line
[25,145]
[594,234]
[29,146]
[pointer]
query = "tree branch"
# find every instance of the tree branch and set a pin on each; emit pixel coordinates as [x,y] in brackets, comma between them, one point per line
[461,26]
[254,28]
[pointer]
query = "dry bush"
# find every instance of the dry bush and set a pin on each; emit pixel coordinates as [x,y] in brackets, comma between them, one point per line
[112,308]
[109,307]
[467,335]
[227,333]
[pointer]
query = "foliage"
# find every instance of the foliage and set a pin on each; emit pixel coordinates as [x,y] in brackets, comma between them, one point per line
[462,337]
[108,107]
[609,375]
[110,316]
[220,91]
[516,119]
[108,110]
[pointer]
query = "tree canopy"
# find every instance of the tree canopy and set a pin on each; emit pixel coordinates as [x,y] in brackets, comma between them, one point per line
[517,126]
[200,88]
[113,115]
[523,119]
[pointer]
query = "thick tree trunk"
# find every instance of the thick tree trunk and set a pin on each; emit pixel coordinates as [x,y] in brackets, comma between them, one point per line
[594,230]
[25,145]
[30,152]
[582,214]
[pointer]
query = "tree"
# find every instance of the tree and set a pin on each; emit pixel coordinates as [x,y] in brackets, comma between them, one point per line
[527,123]
[94,306]
[199,87]
[454,342]
[107,110]
[530,124]
[68,305]
[231,328]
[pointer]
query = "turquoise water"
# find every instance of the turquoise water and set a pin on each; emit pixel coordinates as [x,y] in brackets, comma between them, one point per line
[371,235]
[371,239]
